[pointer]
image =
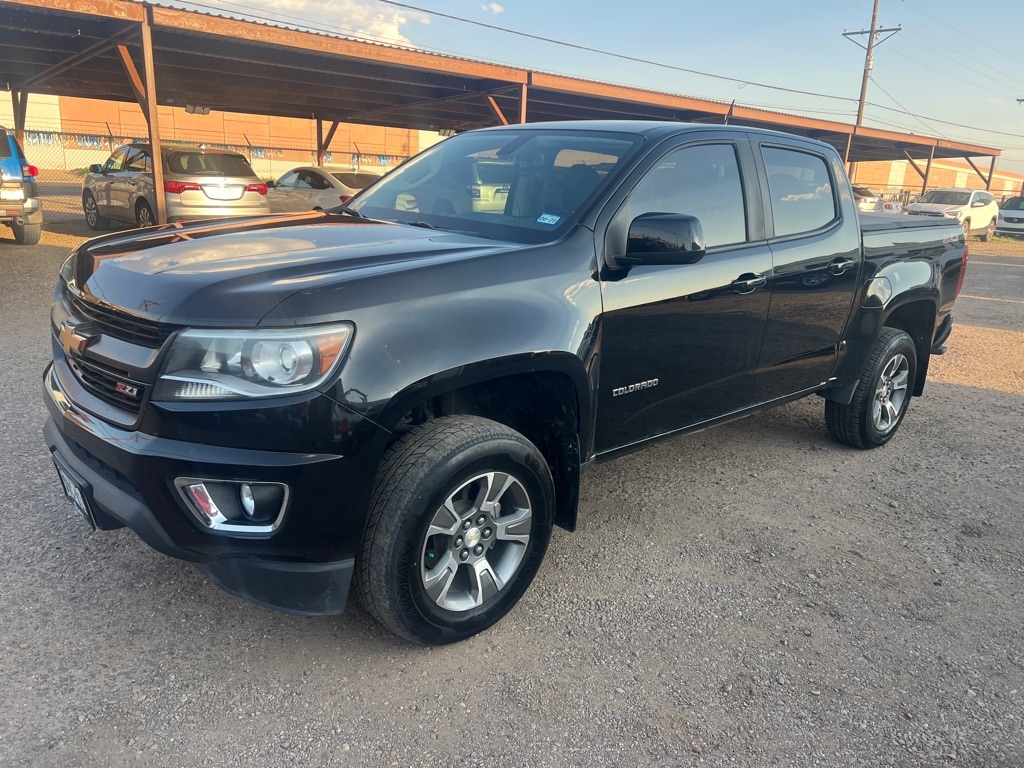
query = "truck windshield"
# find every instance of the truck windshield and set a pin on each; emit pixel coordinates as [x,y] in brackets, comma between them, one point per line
[945,197]
[522,184]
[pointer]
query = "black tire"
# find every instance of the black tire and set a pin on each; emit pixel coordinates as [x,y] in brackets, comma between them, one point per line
[990,232]
[452,464]
[93,219]
[144,214]
[27,234]
[875,413]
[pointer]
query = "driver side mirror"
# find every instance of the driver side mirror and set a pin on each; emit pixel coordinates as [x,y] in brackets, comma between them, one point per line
[271,184]
[663,238]
[978,204]
[95,168]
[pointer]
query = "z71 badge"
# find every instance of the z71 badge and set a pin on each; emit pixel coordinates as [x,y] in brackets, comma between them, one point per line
[634,387]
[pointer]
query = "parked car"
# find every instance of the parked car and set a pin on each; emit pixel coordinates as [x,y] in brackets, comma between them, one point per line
[311,187]
[1011,217]
[405,400]
[199,183]
[20,206]
[872,202]
[975,209]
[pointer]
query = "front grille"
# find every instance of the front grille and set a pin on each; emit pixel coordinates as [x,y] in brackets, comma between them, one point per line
[926,213]
[121,325]
[1008,220]
[109,385]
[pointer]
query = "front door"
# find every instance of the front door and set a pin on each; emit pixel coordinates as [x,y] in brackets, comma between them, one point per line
[680,343]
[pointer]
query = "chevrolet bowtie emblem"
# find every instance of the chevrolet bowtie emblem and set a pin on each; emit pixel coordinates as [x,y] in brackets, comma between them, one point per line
[72,339]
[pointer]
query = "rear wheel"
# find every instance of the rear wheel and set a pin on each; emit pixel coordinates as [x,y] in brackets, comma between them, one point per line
[460,520]
[27,234]
[144,214]
[883,394]
[990,232]
[92,213]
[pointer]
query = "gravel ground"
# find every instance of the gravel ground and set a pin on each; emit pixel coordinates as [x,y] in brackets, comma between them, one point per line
[750,595]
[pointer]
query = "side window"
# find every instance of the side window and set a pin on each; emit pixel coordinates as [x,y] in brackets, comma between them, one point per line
[701,181]
[288,180]
[115,163]
[138,162]
[802,195]
[985,197]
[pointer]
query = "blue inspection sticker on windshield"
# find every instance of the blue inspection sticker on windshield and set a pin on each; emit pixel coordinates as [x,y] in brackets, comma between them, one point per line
[549,218]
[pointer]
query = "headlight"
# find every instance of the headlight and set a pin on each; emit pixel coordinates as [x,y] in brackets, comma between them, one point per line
[955,214]
[232,365]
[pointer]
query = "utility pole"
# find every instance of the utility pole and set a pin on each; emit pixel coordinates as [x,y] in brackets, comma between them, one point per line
[869,58]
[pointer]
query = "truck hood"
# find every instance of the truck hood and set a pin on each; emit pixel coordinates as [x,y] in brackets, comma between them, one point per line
[932,208]
[234,271]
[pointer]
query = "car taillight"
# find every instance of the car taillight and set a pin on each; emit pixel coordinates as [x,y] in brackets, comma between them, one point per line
[346,198]
[261,188]
[29,170]
[177,187]
[859,199]
[963,270]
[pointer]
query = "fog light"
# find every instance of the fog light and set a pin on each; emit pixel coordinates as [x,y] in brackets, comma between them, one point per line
[248,500]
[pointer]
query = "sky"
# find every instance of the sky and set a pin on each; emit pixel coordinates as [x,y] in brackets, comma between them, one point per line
[955,70]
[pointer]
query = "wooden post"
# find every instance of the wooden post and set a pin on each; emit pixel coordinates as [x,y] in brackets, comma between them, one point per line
[928,170]
[522,102]
[159,201]
[19,101]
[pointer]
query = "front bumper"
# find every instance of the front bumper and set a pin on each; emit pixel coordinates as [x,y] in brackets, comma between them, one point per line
[128,479]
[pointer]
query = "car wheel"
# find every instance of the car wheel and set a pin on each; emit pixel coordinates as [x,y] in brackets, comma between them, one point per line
[967,228]
[459,522]
[92,213]
[27,234]
[882,396]
[990,232]
[144,214]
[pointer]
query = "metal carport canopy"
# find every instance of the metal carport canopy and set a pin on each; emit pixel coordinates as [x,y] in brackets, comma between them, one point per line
[89,48]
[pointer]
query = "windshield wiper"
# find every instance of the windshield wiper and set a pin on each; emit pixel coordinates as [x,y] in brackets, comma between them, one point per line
[424,225]
[344,210]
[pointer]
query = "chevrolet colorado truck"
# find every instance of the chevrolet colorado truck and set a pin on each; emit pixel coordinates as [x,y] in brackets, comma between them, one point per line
[400,394]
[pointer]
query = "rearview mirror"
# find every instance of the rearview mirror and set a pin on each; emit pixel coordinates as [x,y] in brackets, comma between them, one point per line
[95,168]
[663,238]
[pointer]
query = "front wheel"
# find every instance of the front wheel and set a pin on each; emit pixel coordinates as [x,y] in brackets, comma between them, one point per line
[967,228]
[883,394]
[144,214]
[92,213]
[460,520]
[990,232]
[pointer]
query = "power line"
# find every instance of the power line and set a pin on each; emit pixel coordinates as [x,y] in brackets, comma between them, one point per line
[960,31]
[922,122]
[988,75]
[621,56]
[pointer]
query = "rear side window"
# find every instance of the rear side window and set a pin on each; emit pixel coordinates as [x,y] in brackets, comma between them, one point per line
[201,164]
[801,189]
[356,180]
[5,144]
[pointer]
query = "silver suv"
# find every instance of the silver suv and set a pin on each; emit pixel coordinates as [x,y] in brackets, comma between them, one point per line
[199,183]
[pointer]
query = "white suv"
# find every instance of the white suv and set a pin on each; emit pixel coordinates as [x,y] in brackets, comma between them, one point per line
[975,209]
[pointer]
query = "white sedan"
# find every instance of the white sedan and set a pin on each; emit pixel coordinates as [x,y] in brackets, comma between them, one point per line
[316,188]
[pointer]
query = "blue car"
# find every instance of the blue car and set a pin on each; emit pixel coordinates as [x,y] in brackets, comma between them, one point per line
[20,206]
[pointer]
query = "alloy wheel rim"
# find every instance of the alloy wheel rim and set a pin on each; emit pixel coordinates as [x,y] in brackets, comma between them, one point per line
[145,217]
[890,394]
[476,542]
[90,211]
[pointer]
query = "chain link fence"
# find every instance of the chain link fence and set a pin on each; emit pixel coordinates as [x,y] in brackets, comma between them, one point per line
[63,159]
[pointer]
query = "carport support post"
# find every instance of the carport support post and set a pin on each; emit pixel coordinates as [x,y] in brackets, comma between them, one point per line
[928,169]
[522,102]
[19,101]
[322,143]
[159,206]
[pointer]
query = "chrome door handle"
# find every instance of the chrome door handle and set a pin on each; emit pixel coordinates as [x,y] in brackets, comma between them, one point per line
[839,266]
[744,284]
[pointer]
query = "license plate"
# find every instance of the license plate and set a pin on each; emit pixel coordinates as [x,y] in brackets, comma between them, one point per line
[74,493]
[223,192]
[12,194]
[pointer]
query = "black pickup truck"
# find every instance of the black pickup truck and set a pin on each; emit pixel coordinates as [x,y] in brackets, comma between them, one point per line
[401,393]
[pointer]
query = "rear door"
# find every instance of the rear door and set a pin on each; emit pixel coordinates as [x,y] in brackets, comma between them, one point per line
[136,180]
[815,245]
[680,343]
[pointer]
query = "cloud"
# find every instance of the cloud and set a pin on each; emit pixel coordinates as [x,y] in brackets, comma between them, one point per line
[493,8]
[344,17]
